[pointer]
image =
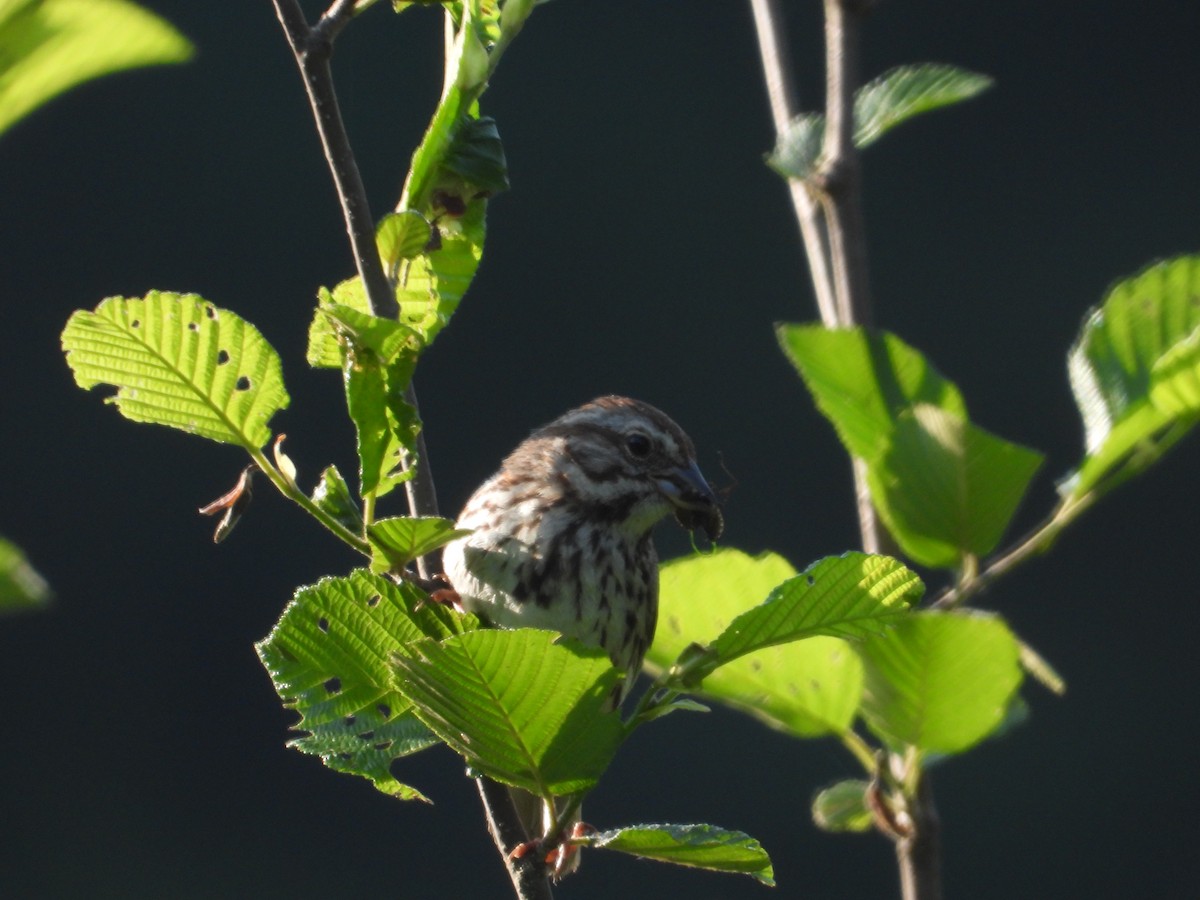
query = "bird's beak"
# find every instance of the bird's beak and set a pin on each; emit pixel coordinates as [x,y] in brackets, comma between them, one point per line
[695,503]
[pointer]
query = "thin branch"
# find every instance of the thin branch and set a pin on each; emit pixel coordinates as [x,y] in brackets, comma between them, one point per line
[312,48]
[838,176]
[768,23]
[528,874]
[1038,541]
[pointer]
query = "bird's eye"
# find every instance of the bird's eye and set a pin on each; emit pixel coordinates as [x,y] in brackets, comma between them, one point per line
[638,444]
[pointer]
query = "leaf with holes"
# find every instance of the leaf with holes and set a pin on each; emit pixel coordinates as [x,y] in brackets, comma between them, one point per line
[946,488]
[21,587]
[524,706]
[699,846]
[52,45]
[808,688]
[940,681]
[329,657]
[397,541]
[177,360]
[1135,372]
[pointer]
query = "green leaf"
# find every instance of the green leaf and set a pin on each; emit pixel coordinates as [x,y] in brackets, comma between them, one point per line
[1135,372]
[907,91]
[21,587]
[325,349]
[940,681]
[519,706]
[807,688]
[400,236]
[946,488]
[847,596]
[798,146]
[475,163]
[380,356]
[398,541]
[333,496]
[699,846]
[329,657]
[879,106]
[49,46]
[177,360]
[843,807]
[431,286]
[863,380]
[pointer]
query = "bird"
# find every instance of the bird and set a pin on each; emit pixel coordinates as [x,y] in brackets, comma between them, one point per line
[561,539]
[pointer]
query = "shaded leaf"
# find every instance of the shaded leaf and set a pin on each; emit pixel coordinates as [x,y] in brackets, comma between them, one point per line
[1135,372]
[863,380]
[939,681]
[21,587]
[699,846]
[807,688]
[520,706]
[396,542]
[178,360]
[879,106]
[907,91]
[49,46]
[329,657]
[946,488]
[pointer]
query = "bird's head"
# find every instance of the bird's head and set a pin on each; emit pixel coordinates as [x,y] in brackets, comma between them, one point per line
[627,461]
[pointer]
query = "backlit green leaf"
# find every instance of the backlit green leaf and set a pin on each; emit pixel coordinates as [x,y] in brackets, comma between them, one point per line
[49,46]
[21,587]
[522,707]
[178,360]
[1135,372]
[940,681]
[329,657]
[807,688]
[398,541]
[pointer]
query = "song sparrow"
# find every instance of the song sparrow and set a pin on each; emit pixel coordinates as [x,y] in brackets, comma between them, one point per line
[562,533]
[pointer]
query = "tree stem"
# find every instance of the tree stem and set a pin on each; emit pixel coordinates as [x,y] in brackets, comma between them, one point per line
[312,47]
[768,24]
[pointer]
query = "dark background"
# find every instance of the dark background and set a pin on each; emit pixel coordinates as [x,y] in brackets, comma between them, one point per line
[644,249]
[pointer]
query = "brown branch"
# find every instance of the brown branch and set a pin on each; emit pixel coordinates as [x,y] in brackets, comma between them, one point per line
[312,47]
